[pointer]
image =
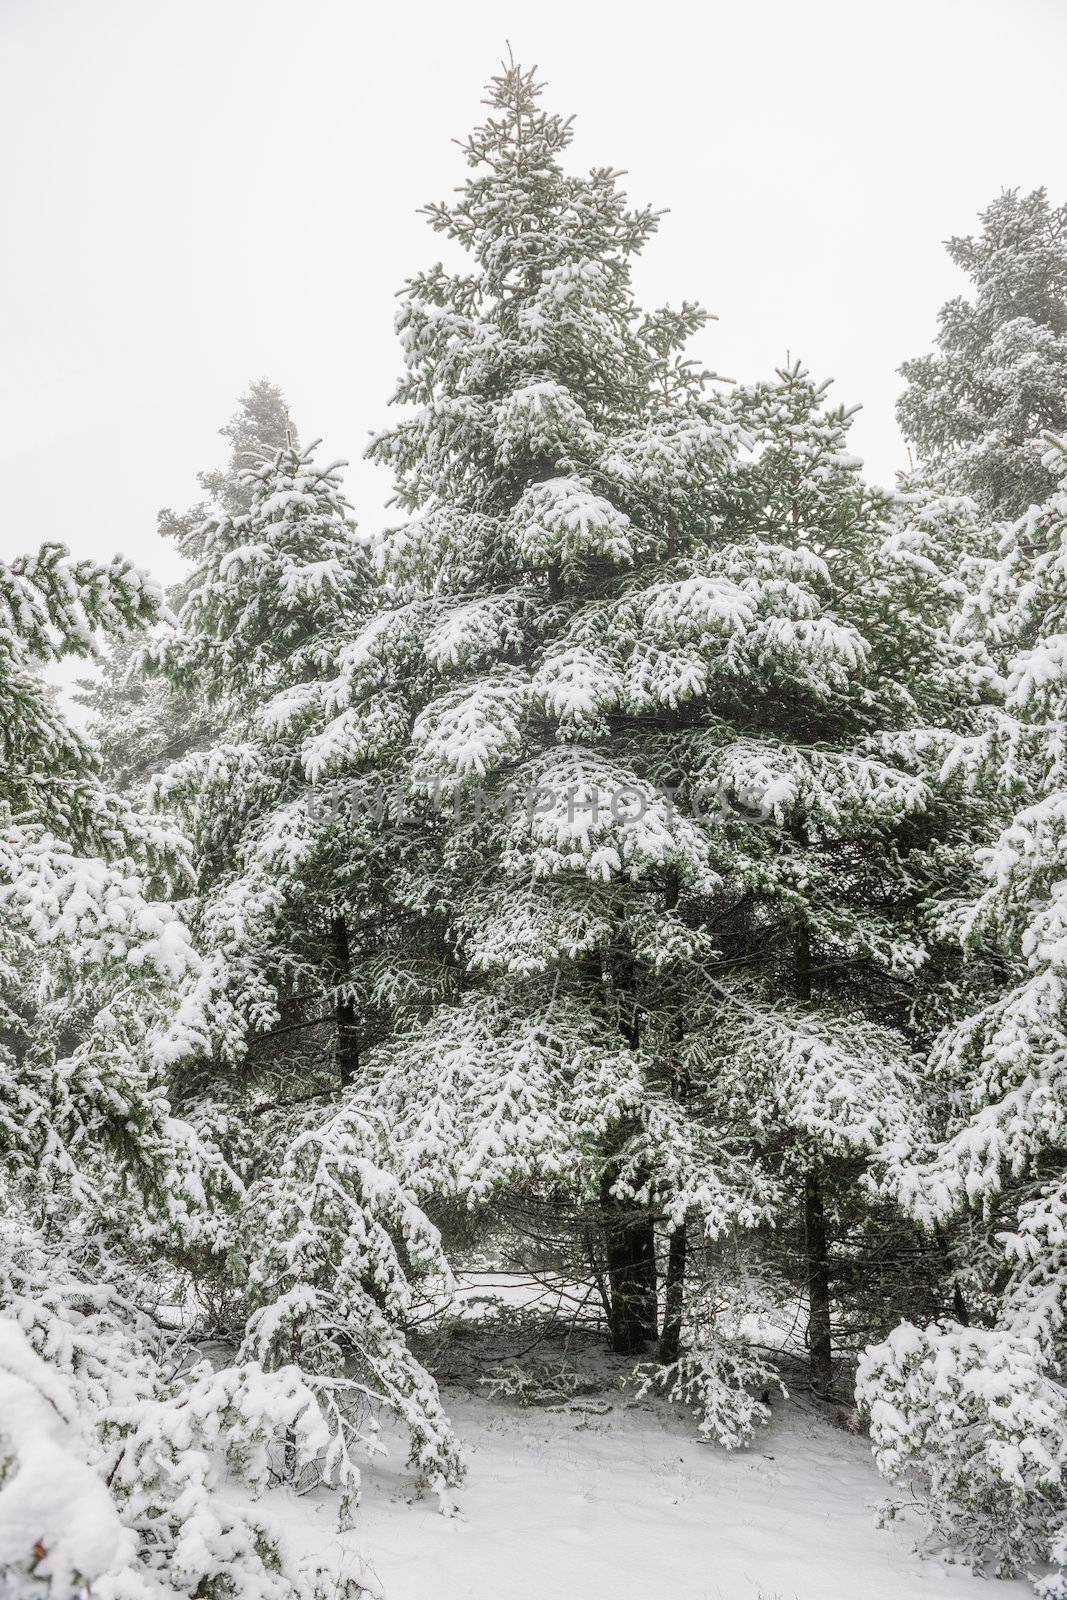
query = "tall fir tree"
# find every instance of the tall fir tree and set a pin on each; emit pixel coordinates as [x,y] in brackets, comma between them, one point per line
[561,446]
[982,1413]
[611,643]
[142,723]
[977,408]
[283,1005]
[820,915]
[113,1447]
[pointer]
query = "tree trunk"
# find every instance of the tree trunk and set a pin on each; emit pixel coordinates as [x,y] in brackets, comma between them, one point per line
[630,1250]
[820,1352]
[959,1303]
[344,1010]
[290,1453]
[816,1242]
[670,1338]
[629,1233]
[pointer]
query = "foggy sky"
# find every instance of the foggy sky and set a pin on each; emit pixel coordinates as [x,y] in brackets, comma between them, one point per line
[196,194]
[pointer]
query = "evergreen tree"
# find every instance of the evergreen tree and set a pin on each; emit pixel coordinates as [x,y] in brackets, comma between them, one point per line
[977,408]
[110,1445]
[280,881]
[813,1027]
[1003,1072]
[141,723]
[75,864]
[258,429]
[560,450]
[603,621]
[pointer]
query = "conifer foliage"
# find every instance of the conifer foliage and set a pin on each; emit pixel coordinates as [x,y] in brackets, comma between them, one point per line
[564,463]
[995,1458]
[325,1228]
[977,409]
[77,873]
[143,723]
[659,833]
[111,1448]
[640,643]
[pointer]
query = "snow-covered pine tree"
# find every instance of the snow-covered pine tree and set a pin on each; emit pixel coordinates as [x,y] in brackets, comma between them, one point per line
[257,430]
[143,723]
[824,858]
[111,1448]
[1000,1480]
[565,460]
[74,865]
[594,608]
[287,996]
[976,409]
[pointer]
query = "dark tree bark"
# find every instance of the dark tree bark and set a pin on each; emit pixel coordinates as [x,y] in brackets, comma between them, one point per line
[630,1252]
[959,1305]
[629,1233]
[960,1308]
[816,1237]
[344,1010]
[820,1348]
[670,1338]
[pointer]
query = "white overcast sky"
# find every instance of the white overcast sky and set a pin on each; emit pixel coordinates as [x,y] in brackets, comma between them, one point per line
[199,192]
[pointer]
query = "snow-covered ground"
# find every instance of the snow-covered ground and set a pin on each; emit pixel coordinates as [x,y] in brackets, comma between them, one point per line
[607,1500]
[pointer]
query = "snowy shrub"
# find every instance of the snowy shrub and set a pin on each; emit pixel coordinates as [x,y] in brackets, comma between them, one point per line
[537,1383]
[718,1381]
[331,1240]
[972,1420]
[114,1461]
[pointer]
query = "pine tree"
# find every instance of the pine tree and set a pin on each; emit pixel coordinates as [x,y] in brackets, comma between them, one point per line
[977,409]
[110,1446]
[559,447]
[820,909]
[141,723]
[612,642]
[75,868]
[257,430]
[1003,1074]
[281,880]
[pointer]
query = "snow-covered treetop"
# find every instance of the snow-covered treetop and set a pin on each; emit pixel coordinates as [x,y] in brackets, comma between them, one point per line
[269,583]
[258,429]
[536,364]
[977,408]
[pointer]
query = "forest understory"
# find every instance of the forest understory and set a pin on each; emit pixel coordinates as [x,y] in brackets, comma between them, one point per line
[565,1463]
